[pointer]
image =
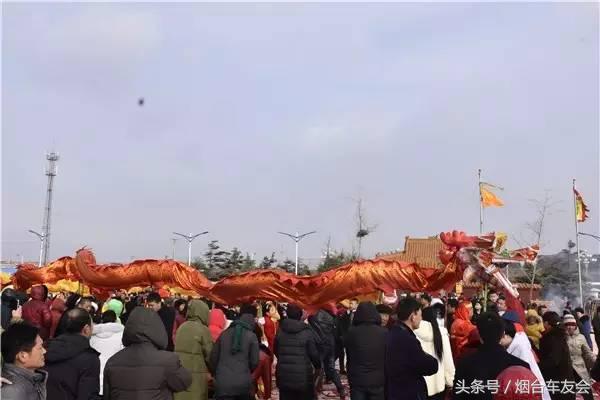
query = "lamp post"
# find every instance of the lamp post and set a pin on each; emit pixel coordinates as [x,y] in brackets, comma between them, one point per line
[42,238]
[586,258]
[297,238]
[173,255]
[190,238]
[590,235]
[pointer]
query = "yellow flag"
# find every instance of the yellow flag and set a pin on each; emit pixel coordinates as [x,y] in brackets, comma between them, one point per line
[581,209]
[488,197]
[500,241]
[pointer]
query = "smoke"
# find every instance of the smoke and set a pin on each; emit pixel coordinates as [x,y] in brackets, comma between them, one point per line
[558,296]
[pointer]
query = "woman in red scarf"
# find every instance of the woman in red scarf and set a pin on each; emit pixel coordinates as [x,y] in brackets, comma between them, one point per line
[262,376]
[271,324]
[462,328]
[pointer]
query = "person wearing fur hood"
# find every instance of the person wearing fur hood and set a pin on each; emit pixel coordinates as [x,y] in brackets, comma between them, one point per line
[436,342]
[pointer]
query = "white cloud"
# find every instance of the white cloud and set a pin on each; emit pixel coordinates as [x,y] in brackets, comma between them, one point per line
[348,133]
[71,43]
[93,36]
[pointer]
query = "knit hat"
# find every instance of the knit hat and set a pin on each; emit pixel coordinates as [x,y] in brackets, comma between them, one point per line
[569,319]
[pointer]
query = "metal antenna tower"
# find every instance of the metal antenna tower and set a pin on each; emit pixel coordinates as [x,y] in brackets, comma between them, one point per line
[50,173]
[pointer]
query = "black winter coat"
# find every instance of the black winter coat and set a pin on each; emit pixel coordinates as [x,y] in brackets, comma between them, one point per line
[73,368]
[143,369]
[324,327]
[485,364]
[297,355]
[233,371]
[344,322]
[9,303]
[365,347]
[555,360]
[167,316]
[406,364]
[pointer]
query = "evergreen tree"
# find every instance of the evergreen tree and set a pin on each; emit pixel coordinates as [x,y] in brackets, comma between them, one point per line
[268,262]
[233,263]
[214,256]
[334,260]
[290,266]
[558,275]
[216,261]
[202,266]
[199,264]
[248,263]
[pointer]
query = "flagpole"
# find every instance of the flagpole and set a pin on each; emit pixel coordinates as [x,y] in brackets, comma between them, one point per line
[480,204]
[577,246]
[485,285]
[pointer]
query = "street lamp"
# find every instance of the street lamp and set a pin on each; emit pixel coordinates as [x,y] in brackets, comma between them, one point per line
[189,239]
[42,238]
[297,238]
[174,240]
[586,257]
[590,235]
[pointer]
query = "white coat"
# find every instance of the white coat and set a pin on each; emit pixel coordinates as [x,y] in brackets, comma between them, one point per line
[107,339]
[520,347]
[444,377]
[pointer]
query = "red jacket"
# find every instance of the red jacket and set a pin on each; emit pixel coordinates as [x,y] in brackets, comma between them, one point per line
[57,308]
[179,320]
[270,331]
[216,323]
[263,371]
[461,329]
[510,388]
[37,312]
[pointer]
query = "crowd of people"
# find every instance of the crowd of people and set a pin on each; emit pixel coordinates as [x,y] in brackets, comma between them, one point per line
[155,345]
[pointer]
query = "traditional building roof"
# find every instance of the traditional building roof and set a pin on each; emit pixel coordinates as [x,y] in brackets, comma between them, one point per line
[422,251]
[517,285]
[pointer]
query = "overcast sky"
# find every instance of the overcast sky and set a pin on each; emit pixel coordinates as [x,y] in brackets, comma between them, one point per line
[261,118]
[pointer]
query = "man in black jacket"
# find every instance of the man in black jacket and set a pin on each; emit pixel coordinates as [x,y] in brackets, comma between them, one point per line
[166,314]
[343,326]
[298,360]
[73,365]
[234,356]
[365,347]
[488,361]
[384,312]
[324,328]
[406,363]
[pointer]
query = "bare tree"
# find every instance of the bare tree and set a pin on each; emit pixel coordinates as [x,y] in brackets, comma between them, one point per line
[544,208]
[363,230]
[327,253]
